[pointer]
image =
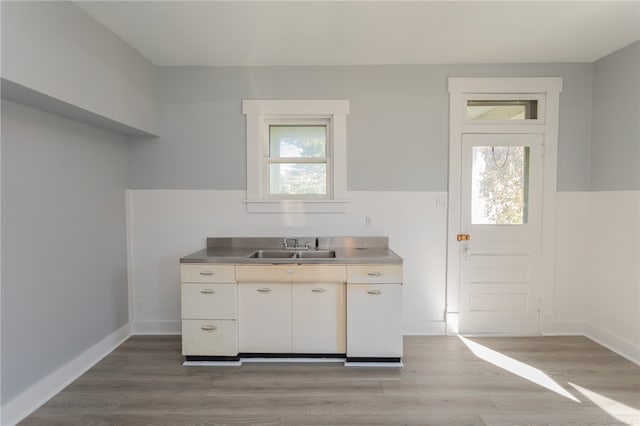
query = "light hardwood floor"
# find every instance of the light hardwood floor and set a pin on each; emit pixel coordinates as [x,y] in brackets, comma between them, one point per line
[143,382]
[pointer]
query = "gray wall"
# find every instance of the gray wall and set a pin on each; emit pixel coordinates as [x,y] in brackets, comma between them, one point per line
[397,129]
[615,144]
[64,282]
[55,48]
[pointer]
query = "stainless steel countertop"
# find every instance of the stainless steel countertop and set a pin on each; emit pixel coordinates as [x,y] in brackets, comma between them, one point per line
[237,251]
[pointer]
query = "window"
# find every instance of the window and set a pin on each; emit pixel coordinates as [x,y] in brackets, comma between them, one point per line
[487,109]
[298,160]
[296,156]
[500,185]
[504,108]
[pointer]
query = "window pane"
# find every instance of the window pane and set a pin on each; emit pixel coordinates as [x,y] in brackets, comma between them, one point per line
[298,141]
[500,185]
[298,179]
[479,110]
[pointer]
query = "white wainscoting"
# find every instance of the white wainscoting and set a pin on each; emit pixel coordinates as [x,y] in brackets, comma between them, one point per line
[571,254]
[596,273]
[164,225]
[613,295]
[597,282]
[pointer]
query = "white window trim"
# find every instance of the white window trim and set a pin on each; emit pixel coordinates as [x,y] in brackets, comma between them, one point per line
[260,113]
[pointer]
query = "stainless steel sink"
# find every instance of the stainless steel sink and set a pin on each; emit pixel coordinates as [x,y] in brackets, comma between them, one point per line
[316,254]
[288,254]
[273,254]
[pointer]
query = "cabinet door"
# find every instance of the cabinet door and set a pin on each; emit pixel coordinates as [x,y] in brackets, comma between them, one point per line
[208,337]
[264,317]
[374,320]
[319,318]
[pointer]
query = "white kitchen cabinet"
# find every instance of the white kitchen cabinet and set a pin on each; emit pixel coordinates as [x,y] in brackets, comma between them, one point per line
[319,318]
[229,310]
[264,316]
[209,316]
[292,309]
[374,312]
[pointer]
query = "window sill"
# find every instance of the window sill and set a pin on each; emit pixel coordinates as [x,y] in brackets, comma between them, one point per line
[297,206]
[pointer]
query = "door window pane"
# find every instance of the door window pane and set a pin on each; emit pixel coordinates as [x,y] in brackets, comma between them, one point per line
[500,185]
[298,179]
[501,110]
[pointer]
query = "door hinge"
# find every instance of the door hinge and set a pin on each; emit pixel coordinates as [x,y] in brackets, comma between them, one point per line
[463,237]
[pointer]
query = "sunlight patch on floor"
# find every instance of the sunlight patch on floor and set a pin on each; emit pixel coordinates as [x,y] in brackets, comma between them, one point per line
[516,367]
[615,409]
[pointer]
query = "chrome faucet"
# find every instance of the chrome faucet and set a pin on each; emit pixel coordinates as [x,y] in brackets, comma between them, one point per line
[285,243]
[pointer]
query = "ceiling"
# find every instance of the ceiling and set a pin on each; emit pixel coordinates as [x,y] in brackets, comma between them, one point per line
[225,33]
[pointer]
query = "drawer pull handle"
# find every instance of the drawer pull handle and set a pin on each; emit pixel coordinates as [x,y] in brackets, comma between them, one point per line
[264,290]
[206,273]
[209,327]
[374,274]
[318,290]
[207,291]
[374,291]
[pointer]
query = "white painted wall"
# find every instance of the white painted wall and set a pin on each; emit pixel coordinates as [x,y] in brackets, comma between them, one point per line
[613,271]
[571,252]
[56,49]
[597,285]
[165,225]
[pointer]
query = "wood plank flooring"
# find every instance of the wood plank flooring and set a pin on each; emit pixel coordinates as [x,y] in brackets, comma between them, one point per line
[143,382]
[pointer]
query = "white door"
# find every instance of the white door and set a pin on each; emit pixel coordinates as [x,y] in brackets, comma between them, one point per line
[501,215]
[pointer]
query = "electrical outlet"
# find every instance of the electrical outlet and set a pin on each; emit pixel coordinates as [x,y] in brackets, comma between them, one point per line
[368,222]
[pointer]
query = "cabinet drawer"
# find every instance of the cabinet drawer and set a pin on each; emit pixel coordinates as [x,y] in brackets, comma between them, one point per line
[374,273]
[207,301]
[319,274]
[263,274]
[206,337]
[291,273]
[207,273]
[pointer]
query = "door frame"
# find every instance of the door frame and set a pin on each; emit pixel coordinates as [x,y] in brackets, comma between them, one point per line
[547,91]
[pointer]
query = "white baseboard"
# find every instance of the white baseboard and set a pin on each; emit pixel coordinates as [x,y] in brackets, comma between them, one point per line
[567,328]
[169,327]
[31,399]
[619,345]
[423,328]
[452,323]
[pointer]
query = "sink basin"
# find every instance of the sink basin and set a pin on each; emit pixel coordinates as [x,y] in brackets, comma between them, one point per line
[285,254]
[316,254]
[273,254]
